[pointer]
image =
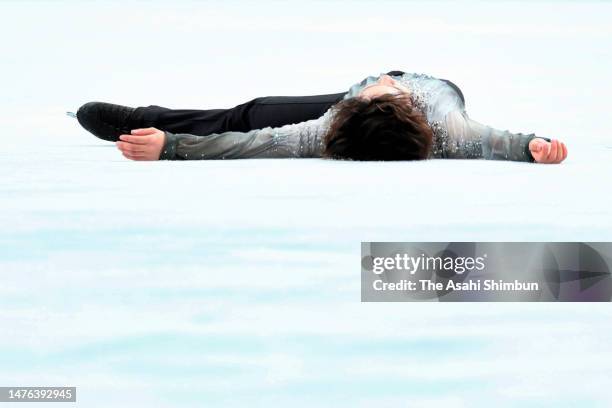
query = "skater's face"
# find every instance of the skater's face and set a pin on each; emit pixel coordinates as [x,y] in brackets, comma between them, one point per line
[384,85]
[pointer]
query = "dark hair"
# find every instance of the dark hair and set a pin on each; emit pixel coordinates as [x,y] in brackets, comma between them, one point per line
[386,127]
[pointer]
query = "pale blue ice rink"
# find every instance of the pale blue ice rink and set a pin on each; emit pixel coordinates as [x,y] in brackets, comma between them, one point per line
[236,283]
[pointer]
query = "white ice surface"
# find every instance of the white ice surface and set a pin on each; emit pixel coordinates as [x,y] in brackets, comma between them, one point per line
[236,283]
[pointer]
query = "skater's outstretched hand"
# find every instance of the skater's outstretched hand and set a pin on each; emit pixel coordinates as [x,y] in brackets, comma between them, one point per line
[142,144]
[547,152]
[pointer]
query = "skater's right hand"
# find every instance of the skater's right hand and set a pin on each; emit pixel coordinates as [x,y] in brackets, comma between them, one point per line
[142,144]
[547,152]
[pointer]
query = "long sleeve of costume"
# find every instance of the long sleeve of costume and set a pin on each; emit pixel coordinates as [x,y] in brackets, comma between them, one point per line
[464,138]
[459,136]
[296,140]
[455,134]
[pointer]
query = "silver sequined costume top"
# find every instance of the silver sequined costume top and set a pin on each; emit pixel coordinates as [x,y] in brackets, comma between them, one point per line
[455,134]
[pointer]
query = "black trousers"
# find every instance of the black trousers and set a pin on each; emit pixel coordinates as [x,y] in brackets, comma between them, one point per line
[273,111]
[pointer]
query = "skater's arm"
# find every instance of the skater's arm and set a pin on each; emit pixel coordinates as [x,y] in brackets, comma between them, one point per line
[295,140]
[463,137]
[262,143]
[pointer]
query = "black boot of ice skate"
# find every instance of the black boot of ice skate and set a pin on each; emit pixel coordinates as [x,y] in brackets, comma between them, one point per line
[106,120]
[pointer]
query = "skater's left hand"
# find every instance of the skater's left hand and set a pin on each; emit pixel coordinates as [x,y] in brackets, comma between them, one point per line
[142,144]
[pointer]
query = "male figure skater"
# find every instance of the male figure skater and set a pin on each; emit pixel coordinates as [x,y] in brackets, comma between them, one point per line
[393,116]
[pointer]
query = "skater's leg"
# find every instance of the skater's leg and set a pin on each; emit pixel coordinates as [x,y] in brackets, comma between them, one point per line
[258,113]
